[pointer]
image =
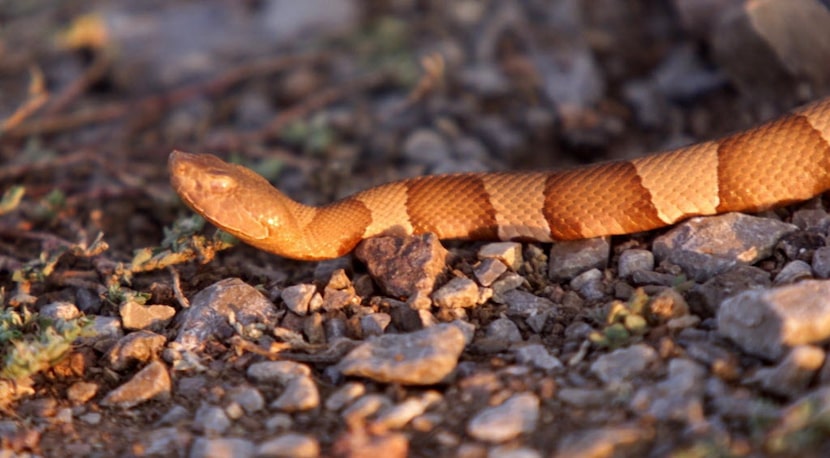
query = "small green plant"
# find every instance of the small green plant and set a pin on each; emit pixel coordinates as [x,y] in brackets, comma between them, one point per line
[625,322]
[31,343]
[11,199]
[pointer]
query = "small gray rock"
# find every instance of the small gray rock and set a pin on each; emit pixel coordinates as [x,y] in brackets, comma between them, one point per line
[515,416]
[766,323]
[298,297]
[510,253]
[419,358]
[504,330]
[457,293]
[403,266]
[289,445]
[208,448]
[248,397]
[523,304]
[277,371]
[345,395]
[633,261]
[793,374]
[399,415]
[211,309]
[105,332]
[374,324]
[792,272]
[537,356]
[706,246]
[821,262]
[211,420]
[300,394]
[571,258]
[488,270]
[589,284]
[679,397]
[624,363]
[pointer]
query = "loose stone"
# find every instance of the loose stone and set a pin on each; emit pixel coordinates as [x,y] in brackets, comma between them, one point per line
[152,382]
[289,445]
[419,358]
[766,323]
[515,416]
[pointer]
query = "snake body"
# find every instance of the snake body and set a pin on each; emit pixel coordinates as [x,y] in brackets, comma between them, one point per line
[780,162]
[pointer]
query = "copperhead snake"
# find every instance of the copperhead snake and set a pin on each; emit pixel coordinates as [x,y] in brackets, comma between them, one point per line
[780,162]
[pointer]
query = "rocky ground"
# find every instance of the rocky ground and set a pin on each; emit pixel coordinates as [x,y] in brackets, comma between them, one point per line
[131,328]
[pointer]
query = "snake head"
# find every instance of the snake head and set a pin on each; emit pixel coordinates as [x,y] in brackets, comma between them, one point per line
[230,196]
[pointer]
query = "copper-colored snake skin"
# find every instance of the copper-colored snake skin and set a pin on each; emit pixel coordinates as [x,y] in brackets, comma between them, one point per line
[780,162]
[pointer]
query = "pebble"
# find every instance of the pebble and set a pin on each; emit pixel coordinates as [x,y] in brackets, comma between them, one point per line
[213,309]
[289,445]
[91,418]
[507,282]
[767,322]
[679,397]
[360,444]
[571,258]
[488,270]
[517,415]
[344,396]
[419,358]
[60,311]
[277,371]
[403,266]
[793,374]
[137,316]
[374,324]
[635,261]
[152,382]
[821,262]
[248,397]
[589,284]
[399,415]
[357,413]
[177,413]
[537,356]
[81,392]
[709,296]
[793,272]
[298,297]
[509,253]
[300,394]
[456,293]
[211,420]
[279,422]
[706,246]
[812,219]
[221,447]
[609,441]
[524,304]
[503,330]
[105,331]
[135,348]
[624,363]
[168,441]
